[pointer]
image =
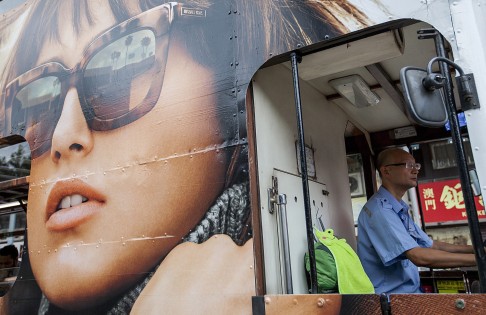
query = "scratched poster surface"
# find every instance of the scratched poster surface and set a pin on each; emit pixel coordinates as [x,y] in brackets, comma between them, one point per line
[443,201]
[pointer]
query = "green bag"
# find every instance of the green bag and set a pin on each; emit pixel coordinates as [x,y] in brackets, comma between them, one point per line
[327,280]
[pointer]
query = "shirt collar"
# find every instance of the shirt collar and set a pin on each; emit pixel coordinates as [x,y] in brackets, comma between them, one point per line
[397,206]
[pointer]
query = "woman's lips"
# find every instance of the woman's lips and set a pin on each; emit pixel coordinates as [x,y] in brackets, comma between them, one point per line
[70,203]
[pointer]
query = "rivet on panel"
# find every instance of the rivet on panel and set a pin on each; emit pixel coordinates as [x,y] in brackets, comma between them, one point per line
[321,302]
[460,304]
[268,300]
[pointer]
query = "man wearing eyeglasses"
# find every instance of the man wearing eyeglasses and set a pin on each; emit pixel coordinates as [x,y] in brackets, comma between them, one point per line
[390,245]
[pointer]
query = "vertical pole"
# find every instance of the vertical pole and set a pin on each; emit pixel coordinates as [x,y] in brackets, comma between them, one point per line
[282,208]
[295,58]
[472,215]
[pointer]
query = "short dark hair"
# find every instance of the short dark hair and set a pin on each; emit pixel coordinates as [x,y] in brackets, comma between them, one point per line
[10,250]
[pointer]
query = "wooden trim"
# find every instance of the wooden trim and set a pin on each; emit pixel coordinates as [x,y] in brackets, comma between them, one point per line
[254,195]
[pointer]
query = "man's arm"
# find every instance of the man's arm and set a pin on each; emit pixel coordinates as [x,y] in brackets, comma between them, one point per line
[436,258]
[452,248]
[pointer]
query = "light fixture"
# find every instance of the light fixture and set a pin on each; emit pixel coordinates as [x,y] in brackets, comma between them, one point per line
[355,90]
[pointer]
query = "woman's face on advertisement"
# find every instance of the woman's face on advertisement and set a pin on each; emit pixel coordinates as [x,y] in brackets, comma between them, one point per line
[105,206]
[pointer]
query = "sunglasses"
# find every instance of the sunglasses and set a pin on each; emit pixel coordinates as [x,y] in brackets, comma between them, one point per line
[118,80]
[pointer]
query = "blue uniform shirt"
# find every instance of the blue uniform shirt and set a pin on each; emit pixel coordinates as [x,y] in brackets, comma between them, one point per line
[385,233]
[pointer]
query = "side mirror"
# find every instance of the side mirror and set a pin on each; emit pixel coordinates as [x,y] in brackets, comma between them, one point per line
[425,107]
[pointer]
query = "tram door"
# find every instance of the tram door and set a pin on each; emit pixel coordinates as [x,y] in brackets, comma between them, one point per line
[290,185]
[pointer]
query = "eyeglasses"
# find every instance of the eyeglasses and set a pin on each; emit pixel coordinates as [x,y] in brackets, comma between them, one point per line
[410,165]
[118,80]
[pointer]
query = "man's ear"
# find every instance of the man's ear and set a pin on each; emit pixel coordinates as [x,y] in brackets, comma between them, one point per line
[384,170]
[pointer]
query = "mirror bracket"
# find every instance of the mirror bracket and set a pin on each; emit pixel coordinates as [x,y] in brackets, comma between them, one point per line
[466,86]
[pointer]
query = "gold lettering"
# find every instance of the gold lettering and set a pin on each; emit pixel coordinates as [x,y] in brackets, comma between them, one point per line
[452,197]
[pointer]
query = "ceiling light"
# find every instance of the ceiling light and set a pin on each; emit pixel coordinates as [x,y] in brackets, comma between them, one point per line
[355,90]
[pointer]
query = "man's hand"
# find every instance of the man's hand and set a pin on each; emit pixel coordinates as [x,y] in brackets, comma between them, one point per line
[215,277]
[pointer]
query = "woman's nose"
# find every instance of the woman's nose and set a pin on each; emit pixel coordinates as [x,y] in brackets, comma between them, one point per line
[72,136]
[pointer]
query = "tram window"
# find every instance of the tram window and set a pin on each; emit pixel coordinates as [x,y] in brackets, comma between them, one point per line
[444,156]
[14,169]
[14,161]
[356,183]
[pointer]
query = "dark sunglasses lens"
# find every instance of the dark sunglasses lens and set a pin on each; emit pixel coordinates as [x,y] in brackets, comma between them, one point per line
[117,78]
[35,111]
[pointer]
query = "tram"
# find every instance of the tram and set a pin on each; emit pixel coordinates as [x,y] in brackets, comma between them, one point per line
[165,157]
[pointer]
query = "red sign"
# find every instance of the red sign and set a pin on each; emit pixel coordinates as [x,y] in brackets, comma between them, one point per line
[443,201]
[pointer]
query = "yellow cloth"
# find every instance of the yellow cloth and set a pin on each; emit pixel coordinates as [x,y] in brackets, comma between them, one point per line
[352,278]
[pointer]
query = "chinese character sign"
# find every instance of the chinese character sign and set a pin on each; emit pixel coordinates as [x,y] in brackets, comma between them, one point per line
[443,201]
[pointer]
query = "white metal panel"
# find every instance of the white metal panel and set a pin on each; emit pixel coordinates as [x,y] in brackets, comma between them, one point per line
[469,18]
